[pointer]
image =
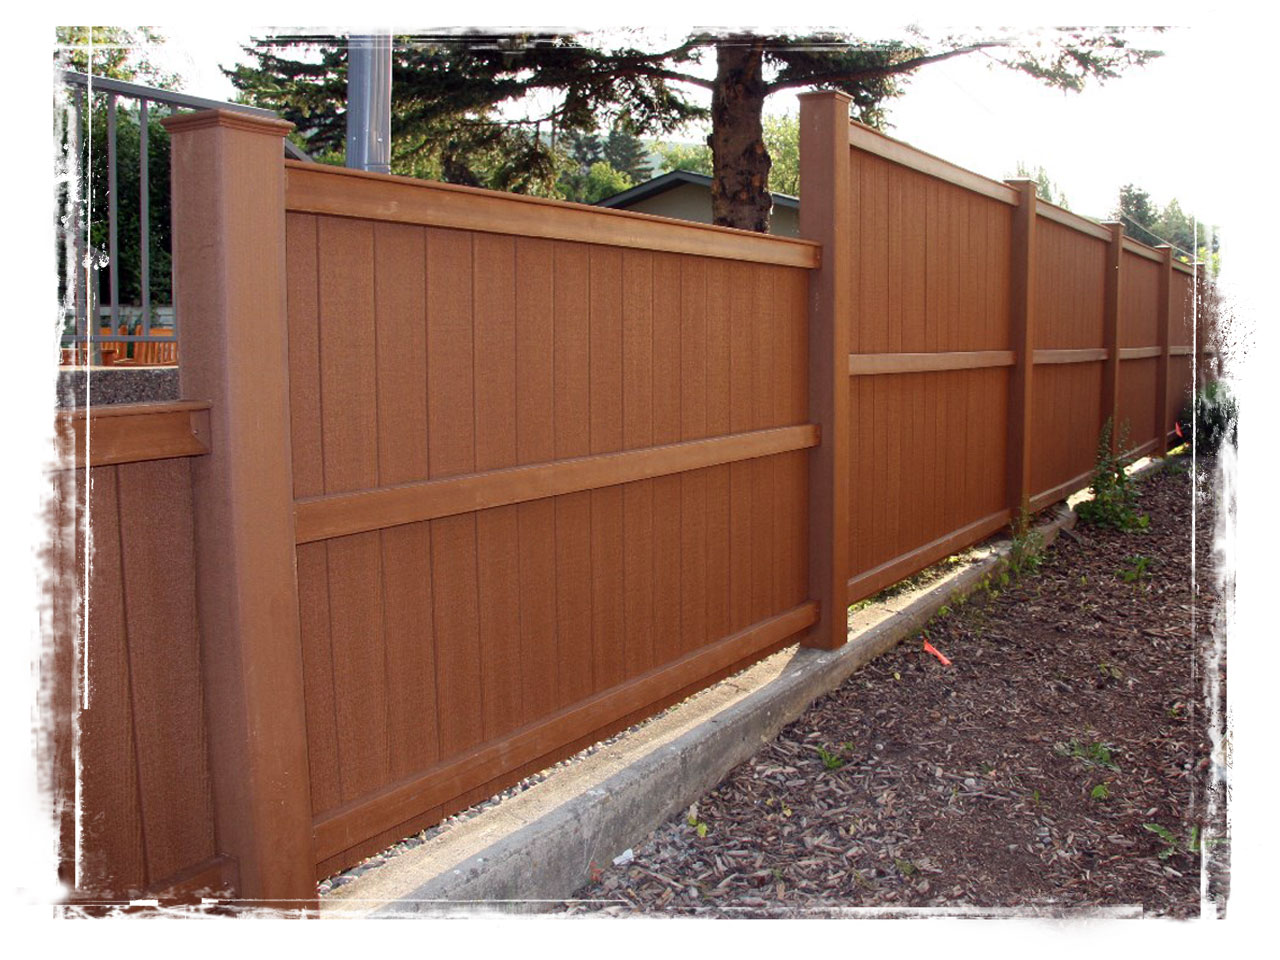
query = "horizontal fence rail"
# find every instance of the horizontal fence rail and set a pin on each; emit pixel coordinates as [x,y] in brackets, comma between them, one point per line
[467,481]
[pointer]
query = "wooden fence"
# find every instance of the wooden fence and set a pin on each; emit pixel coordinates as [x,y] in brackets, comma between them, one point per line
[465,481]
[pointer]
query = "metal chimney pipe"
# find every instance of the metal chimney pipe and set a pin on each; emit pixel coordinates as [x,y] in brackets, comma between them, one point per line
[369,102]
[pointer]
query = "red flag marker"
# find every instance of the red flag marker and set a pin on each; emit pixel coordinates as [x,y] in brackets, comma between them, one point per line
[930,648]
[1177,428]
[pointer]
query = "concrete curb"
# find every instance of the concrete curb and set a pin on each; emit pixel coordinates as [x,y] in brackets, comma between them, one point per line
[539,847]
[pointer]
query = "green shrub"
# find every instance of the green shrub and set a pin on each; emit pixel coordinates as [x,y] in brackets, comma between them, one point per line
[1211,419]
[1115,496]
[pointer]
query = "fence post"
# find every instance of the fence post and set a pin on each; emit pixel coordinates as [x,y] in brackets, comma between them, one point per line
[229,283]
[1164,311]
[1111,335]
[825,216]
[1022,291]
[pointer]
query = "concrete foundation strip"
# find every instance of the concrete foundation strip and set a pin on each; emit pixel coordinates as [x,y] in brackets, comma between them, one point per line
[540,845]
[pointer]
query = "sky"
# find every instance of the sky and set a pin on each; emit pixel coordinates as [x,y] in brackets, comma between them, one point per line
[1195,125]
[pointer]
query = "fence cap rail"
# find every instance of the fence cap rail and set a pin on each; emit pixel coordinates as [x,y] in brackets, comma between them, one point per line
[873,141]
[1074,221]
[361,194]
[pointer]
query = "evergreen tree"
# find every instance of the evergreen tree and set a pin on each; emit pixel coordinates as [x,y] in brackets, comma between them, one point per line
[626,153]
[456,82]
[1144,222]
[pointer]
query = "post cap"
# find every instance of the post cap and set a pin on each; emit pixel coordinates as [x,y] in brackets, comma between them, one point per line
[222,117]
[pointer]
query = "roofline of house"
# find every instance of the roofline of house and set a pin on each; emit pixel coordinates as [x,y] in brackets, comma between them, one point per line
[671,180]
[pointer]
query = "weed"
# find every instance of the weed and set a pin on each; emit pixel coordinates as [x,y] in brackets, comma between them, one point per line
[1035,797]
[1026,553]
[1109,671]
[1115,496]
[1100,792]
[905,867]
[1193,843]
[833,761]
[698,825]
[1094,752]
[1137,571]
[944,611]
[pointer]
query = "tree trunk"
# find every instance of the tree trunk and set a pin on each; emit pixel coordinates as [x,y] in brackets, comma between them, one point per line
[740,163]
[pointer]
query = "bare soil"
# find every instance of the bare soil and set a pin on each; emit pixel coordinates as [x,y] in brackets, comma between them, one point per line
[1026,774]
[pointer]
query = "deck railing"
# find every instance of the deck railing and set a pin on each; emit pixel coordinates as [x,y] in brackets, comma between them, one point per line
[108,338]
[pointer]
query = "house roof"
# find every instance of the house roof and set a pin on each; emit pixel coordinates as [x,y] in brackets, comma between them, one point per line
[669,181]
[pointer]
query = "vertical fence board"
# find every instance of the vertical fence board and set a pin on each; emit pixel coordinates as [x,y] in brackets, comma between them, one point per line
[694,504]
[114,855]
[607,600]
[164,664]
[667,563]
[451,450]
[717,423]
[497,551]
[349,416]
[535,436]
[401,317]
[637,431]
[572,365]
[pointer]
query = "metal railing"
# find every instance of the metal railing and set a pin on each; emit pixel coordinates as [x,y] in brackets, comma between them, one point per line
[103,332]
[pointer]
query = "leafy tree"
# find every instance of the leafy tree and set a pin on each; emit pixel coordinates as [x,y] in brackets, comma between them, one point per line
[1045,188]
[601,181]
[1147,223]
[693,157]
[121,53]
[117,52]
[781,139]
[459,81]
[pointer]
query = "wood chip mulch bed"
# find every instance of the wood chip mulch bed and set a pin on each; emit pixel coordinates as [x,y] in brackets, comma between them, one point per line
[1074,713]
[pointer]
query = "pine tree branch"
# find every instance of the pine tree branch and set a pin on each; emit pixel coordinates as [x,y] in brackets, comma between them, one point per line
[906,66]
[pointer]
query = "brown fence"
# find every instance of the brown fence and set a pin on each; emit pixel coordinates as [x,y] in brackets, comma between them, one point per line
[466,481]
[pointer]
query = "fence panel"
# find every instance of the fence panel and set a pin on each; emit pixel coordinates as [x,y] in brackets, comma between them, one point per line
[1181,343]
[144,780]
[929,356]
[523,512]
[1068,319]
[1139,342]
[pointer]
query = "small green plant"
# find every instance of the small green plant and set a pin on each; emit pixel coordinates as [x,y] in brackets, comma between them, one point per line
[1192,844]
[905,867]
[1026,553]
[833,761]
[1115,496]
[698,825]
[1095,753]
[1100,792]
[1137,570]
[1035,797]
[1109,671]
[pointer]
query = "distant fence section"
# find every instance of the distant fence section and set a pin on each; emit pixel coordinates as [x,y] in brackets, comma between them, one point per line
[466,481]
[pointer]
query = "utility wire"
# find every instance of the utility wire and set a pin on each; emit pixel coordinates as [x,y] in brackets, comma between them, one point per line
[1150,232]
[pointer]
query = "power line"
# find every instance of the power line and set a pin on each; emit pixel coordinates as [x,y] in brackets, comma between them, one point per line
[1152,233]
